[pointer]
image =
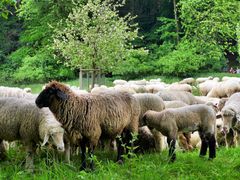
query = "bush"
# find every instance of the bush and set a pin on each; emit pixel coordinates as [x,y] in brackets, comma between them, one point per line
[190,57]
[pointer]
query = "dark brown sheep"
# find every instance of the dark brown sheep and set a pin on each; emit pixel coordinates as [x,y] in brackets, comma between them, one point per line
[87,117]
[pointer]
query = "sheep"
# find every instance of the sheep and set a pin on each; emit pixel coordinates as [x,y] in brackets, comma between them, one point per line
[206,86]
[206,99]
[220,136]
[183,138]
[231,119]
[201,80]
[150,102]
[145,141]
[174,104]
[27,90]
[226,78]
[154,88]
[180,87]
[221,103]
[224,89]
[187,81]
[87,117]
[185,119]
[20,119]
[13,92]
[119,82]
[184,96]
[124,88]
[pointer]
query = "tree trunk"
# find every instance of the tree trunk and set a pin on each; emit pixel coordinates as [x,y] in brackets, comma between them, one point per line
[176,19]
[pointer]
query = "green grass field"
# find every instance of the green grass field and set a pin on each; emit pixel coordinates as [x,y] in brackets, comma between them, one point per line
[148,166]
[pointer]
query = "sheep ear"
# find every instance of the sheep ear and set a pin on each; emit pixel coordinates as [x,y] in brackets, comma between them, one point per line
[62,95]
[45,139]
[238,117]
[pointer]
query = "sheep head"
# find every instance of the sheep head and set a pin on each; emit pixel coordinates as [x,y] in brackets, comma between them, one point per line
[228,117]
[55,136]
[53,90]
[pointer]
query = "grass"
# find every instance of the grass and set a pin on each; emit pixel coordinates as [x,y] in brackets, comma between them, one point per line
[148,166]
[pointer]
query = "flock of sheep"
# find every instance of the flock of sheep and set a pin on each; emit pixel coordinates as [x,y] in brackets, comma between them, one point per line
[163,115]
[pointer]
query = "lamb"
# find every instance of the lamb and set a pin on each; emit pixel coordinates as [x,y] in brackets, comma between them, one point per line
[87,117]
[224,89]
[21,120]
[184,96]
[231,119]
[187,81]
[185,119]
[150,102]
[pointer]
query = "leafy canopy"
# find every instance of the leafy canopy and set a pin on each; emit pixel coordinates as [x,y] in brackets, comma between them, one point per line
[94,36]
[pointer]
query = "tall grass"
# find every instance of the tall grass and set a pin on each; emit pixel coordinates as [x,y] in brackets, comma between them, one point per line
[148,166]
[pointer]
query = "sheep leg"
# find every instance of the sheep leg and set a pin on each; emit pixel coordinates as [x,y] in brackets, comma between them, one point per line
[212,147]
[120,150]
[230,138]
[67,152]
[171,143]
[91,154]
[83,156]
[2,151]
[204,146]
[31,150]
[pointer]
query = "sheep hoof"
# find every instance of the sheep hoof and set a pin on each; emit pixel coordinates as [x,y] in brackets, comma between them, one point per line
[120,161]
[201,156]
[210,159]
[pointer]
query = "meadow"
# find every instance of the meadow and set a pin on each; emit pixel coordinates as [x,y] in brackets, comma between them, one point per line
[142,166]
[147,166]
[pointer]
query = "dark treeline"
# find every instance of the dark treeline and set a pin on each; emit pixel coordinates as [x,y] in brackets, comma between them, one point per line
[178,37]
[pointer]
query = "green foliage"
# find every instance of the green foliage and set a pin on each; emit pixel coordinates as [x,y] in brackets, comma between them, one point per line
[95,36]
[211,21]
[34,60]
[5,7]
[189,57]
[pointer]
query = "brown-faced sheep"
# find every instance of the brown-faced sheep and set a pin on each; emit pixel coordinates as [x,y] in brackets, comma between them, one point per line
[87,117]
[198,117]
[150,102]
[231,119]
[184,96]
[20,119]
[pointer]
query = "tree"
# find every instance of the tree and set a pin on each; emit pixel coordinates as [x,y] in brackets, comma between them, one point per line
[4,7]
[95,36]
[212,21]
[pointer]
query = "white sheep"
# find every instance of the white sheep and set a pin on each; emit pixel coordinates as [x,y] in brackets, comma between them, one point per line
[231,117]
[224,89]
[180,87]
[20,119]
[13,92]
[202,79]
[207,86]
[187,81]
